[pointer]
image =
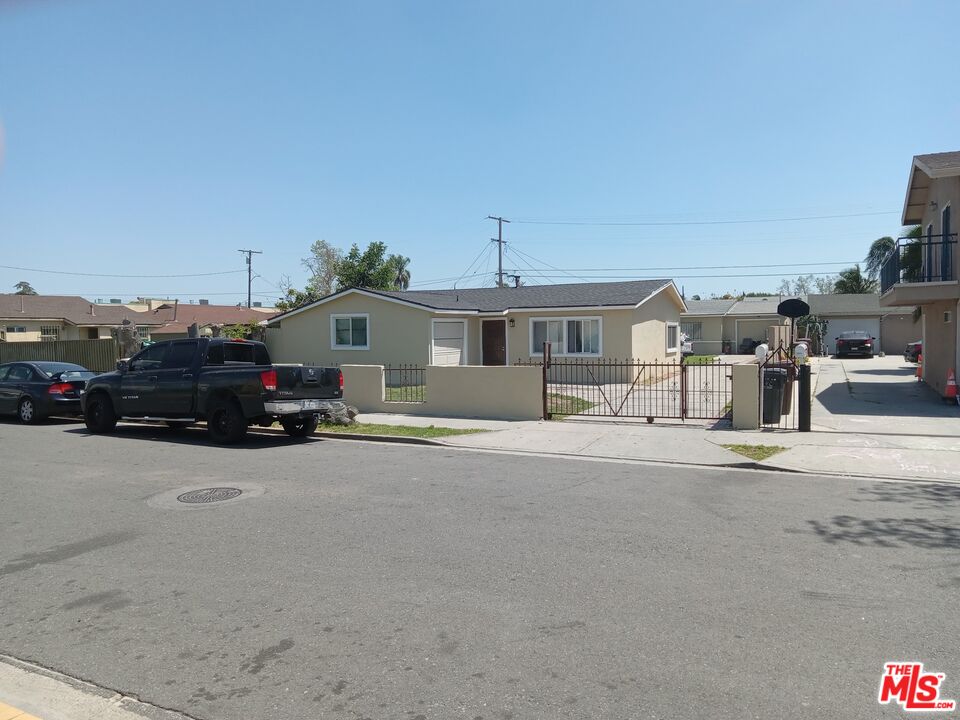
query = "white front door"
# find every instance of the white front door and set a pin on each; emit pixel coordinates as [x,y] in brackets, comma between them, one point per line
[449,342]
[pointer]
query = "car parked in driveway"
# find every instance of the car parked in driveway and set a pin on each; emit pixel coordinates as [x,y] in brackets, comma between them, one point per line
[35,390]
[854,342]
[912,352]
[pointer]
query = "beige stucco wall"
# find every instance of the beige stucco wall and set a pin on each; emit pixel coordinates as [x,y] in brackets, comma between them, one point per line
[398,334]
[504,393]
[898,330]
[939,344]
[746,396]
[67,332]
[649,331]
[943,192]
[711,333]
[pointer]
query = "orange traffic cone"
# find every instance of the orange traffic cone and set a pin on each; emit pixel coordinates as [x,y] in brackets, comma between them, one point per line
[920,366]
[951,384]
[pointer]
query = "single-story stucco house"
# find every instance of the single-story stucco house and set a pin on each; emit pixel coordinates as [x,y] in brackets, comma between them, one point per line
[713,325]
[482,326]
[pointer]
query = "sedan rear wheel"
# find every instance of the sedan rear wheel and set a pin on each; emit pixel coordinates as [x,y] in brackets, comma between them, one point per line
[27,411]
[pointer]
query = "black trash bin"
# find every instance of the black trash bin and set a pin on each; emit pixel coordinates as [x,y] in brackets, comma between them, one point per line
[774,382]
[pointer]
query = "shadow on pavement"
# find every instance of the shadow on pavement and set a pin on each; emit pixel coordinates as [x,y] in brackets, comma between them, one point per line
[921,533]
[896,372]
[194,436]
[884,398]
[921,497]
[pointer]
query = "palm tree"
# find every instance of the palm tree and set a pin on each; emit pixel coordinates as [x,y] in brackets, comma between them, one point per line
[401,271]
[879,249]
[852,282]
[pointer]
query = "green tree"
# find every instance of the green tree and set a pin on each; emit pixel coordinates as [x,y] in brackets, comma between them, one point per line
[879,249]
[370,268]
[852,282]
[24,288]
[401,271]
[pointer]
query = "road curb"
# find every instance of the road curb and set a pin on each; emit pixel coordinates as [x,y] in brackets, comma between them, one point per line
[401,439]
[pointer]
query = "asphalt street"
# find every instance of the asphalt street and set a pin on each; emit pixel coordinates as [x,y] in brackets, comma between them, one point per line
[358,580]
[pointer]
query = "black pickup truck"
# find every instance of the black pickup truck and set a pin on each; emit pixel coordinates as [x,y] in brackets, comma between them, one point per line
[229,383]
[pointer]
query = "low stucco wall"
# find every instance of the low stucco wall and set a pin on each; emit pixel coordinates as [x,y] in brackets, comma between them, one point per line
[746,396]
[501,393]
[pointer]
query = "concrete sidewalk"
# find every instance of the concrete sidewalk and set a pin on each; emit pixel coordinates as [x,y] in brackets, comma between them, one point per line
[897,454]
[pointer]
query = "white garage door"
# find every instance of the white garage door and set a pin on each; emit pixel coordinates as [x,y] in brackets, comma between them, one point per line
[448,342]
[835,326]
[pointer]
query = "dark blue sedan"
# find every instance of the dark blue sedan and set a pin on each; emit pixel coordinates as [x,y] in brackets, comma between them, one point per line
[35,390]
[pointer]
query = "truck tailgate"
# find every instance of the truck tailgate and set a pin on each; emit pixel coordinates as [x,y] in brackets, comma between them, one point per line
[301,382]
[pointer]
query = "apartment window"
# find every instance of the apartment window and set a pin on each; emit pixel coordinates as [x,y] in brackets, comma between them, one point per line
[693,330]
[673,337]
[49,333]
[16,329]
[567,336]
[350,332]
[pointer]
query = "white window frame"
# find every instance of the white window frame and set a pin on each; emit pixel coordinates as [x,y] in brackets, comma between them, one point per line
[698,324]
[666,339]
[538,352]
[333,331]
[433,325]
[15,329]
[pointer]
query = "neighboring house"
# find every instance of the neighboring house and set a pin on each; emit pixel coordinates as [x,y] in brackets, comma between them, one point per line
[893,327]
[32,318]
[175,318]
[720,326]
[925,274]
[717,326]
[483,326]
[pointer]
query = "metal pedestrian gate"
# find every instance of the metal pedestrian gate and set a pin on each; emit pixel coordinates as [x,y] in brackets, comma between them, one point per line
[635,389]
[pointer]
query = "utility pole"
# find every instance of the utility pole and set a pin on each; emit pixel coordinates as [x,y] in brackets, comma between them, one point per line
[250,254]
[500,241]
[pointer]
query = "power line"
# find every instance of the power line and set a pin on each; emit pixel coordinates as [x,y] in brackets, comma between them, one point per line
[547,264]
[486,248]
[124,275]
[702,222]
[690,267]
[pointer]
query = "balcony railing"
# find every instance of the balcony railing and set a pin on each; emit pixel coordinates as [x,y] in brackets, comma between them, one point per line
[917,260]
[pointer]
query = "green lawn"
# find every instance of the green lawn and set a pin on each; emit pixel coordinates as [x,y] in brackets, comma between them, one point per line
[561,405]
[699,359]
[756,452]
[409,393]
[398,430]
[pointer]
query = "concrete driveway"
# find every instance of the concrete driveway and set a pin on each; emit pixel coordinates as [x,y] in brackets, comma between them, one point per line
[879,396]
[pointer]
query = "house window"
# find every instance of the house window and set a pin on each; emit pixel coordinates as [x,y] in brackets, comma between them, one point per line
[693,330]
[567,336]
[144,333]
[583,337]
[350,332]
[16,329]
[49,333]
[673,337]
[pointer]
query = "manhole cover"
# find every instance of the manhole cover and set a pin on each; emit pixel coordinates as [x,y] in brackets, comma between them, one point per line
[209,495]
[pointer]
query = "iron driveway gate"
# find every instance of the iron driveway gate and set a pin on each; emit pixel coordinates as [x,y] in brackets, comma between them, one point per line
[635,389]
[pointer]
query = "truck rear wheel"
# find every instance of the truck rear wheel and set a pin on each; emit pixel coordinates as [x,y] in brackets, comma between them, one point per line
[99,414]
[299,427]
[226,424]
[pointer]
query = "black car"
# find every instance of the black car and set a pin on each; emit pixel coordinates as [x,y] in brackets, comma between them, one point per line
[854,342]
[35,390]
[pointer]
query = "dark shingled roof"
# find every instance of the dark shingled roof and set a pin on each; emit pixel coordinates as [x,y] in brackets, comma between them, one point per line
[940,161]
[533,296]
[572,295]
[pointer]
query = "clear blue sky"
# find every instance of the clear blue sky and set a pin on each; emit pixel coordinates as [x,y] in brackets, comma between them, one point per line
[157,138]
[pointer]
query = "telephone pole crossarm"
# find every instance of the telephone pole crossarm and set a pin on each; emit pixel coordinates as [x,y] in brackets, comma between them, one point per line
[500,242]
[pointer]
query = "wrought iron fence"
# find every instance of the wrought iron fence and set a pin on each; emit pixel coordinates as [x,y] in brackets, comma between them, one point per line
[635,389]
[923,259]
[404,383]
[779,389]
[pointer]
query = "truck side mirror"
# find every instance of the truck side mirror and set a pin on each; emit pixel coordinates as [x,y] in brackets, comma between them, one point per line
[121,365]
